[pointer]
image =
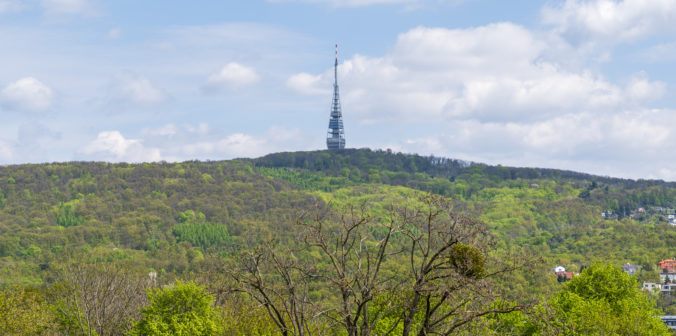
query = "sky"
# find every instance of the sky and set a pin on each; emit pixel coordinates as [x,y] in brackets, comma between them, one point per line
[584,85]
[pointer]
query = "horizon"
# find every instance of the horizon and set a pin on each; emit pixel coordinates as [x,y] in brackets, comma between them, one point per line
[584,86]
[469,163]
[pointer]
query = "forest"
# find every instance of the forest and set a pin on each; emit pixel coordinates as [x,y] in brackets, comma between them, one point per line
[345,242]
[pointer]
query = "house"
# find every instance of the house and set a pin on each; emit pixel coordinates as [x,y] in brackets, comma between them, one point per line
[668,277]
[667,266]
[668,288]
[670,321]
[651,286]
[558,269]
[565,276]
[630,268]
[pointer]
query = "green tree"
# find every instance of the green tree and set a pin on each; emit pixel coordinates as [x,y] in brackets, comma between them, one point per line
[184,309]
[604,300]
[24,313]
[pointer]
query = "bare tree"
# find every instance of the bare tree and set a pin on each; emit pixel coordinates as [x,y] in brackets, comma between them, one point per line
[450,270]
[281,285]
[100,299]
[445,286]
[356,259]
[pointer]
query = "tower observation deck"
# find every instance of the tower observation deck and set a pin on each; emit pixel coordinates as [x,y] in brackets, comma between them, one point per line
[336,135]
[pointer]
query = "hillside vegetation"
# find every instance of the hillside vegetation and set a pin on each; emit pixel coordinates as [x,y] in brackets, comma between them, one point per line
[185,220]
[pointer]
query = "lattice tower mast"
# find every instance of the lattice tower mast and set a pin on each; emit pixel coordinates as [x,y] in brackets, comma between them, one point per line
[336,135]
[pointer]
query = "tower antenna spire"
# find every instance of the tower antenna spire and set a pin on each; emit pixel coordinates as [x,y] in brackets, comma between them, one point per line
[335,138]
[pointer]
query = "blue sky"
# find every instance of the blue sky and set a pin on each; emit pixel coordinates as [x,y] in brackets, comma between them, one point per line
[572,84]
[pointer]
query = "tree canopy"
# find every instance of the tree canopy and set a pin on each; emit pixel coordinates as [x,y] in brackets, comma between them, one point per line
[184,309]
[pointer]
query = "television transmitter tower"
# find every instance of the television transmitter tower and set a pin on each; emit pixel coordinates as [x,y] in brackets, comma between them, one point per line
[336,136]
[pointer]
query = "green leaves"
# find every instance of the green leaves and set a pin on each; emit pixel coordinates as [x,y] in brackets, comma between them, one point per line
[468,261]
[66,216]
[23,313]
[604,300]
[198,232]
[184,309]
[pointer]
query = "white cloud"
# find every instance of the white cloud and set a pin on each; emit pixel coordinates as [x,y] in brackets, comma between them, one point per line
[246,145]
[305,83]
[610,21]
[231,76]
[640,88]
[188,142]
[498,94]
[238,144]
[139,89]
[113,146]
[27,94]
[620,144]
[494,73]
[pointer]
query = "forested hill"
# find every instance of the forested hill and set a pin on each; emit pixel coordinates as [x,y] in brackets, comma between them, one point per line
[341,162]
[172,216]
[450,177]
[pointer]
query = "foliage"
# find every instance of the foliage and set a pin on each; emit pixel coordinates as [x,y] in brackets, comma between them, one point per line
[468,260]
[202,235]
[604,300]
[66,215]
[184,309]
[24,313]
[175,218]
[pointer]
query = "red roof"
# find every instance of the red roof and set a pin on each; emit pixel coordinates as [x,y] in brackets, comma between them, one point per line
[567,275]
[667,264]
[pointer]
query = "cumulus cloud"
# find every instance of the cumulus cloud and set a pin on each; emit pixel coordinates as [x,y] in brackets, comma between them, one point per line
[113,146]
[610,21]
[493,73]
[618,144]
[498,95]
[305,83]
[245,145]
[640,88]
[231,76]
[27,94]
[138,89]
[188,142]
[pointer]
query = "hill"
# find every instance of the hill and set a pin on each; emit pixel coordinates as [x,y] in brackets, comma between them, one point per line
[65,227]
[135,211]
